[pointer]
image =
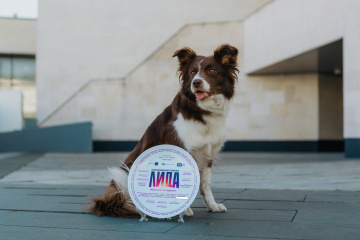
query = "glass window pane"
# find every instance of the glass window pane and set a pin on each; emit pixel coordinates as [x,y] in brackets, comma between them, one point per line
[24,69]
[5,68]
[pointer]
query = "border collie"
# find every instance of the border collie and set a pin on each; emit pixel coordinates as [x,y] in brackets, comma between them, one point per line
[194,121]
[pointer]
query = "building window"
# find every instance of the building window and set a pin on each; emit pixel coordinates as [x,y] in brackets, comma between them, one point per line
[18,72]
[23,69]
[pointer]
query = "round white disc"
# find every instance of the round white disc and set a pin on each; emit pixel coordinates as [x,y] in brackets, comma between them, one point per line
[163,181]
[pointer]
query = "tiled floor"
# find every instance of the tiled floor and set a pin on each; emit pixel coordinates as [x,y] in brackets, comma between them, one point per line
[47,196]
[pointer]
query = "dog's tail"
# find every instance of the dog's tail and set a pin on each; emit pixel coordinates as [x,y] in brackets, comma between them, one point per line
[115,201]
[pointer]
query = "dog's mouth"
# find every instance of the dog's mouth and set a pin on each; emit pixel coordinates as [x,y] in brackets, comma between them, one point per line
[202,95]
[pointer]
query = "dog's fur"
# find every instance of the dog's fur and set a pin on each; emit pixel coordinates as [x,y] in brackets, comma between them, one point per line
[195,121]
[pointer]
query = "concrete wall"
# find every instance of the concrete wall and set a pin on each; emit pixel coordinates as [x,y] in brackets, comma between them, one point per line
[265,108]
[18,36]
[287,28]
[67,138]
[279,107]
[283,29]
[122,108]
[79,41]
[11,117]
[352,71]
[116,70]
[331,116]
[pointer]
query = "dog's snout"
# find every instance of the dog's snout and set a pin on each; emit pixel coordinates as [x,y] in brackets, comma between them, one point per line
[197,83]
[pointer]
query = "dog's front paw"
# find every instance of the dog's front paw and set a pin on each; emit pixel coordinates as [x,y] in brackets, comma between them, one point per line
[217,207]
[189,212]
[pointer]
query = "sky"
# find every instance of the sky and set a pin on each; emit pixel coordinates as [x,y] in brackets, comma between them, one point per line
[22,8]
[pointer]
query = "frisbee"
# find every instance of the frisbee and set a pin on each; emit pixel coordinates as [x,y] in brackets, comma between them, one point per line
[163,181]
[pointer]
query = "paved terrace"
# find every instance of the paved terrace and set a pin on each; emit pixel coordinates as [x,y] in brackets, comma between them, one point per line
[268,196]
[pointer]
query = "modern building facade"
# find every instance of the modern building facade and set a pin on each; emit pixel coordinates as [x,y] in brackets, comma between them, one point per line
[17,60]
[289,32]
[110,63]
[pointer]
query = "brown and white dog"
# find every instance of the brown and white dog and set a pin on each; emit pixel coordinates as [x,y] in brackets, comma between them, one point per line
[195,121]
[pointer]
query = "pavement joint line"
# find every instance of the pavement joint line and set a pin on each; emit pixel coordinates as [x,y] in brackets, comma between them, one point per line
[70,203]
[91,229]
[33,188]
[259,209]
[43,211]
[111,230]
[235,191]
[54,195]
[305,198]
[256,200]
[173,227]
[296,212]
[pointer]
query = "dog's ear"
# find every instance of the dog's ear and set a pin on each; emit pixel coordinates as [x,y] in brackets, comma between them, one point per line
[226,55]
[185,56]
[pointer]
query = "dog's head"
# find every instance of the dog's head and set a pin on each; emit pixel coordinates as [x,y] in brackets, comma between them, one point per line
[205,77]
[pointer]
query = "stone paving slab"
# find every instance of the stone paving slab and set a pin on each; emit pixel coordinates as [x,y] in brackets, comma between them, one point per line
[337,196]
[40,212]
[77,161]
[36,233]
[6,155]
[83,222]
[46,199]
[88,187]
[3,212]
[316,212]
[52,191]
[42,203]
[272,195]
[268,229]
[296,171]
[248,215]
[19,232]
[11,162]
[336,213]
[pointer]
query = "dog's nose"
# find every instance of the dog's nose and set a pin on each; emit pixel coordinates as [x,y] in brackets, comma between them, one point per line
[197,83]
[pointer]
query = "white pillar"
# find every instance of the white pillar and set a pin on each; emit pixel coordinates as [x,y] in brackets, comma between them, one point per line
[352,78]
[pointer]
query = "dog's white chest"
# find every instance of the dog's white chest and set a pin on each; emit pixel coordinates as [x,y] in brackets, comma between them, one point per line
[196,135]
[203,141]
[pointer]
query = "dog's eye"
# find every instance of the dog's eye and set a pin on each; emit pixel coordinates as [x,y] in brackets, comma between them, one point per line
[193,73]
[211,70]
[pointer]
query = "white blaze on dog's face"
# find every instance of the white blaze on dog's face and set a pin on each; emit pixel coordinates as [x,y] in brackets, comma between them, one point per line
[199,86]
